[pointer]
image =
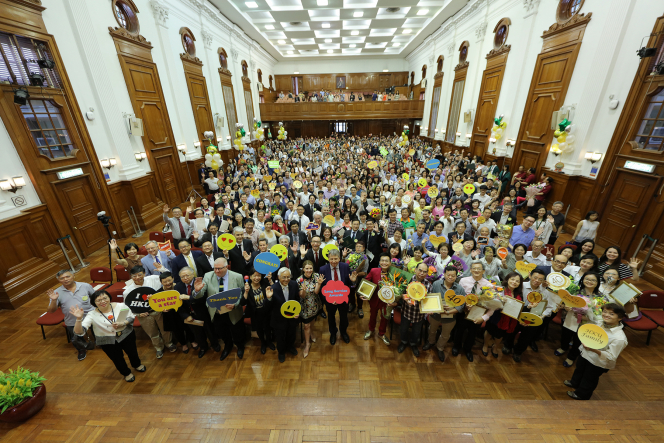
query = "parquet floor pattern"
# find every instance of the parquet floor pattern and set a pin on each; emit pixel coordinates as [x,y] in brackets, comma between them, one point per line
[362,391]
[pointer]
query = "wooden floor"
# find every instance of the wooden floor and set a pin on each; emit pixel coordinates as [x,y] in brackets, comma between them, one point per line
[339,385]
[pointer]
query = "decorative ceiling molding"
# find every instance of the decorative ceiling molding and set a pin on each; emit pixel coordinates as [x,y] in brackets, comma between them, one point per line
[207,38]
[160,12]
[480,31]
[531,5]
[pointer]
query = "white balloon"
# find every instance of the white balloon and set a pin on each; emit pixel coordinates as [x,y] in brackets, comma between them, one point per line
[208,156]
[208,163]
[562,146]
[572,129]
[570,139]
[216,157]
[499,131]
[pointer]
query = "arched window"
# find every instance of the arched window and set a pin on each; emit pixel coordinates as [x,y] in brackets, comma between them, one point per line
[439,63]
[463,51]
[125,13]
[270,80]
[188,39]
[260,76]
[424,72]
[245,68]
[223,58]
[500,33]
[568,9]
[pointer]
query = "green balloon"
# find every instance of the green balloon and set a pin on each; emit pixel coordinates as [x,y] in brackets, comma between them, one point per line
[563,124]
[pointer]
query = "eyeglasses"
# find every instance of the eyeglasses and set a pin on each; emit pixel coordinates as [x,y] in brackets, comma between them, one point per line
[560,262]
[220,269]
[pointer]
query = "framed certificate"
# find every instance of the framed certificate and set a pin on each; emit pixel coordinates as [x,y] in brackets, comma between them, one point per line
[475,313]
[512,307]
[624,292]
[538,310]
[366,289]
[431,304]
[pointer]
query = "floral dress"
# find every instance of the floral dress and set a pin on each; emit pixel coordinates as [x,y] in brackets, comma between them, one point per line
[311,304]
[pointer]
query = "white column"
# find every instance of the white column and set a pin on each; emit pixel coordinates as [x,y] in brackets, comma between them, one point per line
[594,88]
[121,144]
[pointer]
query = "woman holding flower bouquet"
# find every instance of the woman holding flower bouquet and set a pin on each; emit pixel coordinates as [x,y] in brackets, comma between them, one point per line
[378,307]
[501,327]
[542,191]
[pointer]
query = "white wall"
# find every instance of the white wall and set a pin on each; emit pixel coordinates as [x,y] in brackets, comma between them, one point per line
[324,66]
[606,66]
[12,166]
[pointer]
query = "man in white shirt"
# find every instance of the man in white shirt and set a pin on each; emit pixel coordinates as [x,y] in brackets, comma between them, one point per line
[299,216]
[482,197]
[488,223]
[152,322]
[536,256]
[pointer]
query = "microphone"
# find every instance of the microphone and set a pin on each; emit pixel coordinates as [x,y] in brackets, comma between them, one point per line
[246,279]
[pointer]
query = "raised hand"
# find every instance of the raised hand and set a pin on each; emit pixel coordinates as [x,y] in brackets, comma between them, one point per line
[246,255]
[320,279]
[303,250]
[77,312]
[195,235]
[634,263]
[198,284]
[165,208]
[192,200]
[113,244]
[246,289]
[353,276]
[475,253]
[550,219]
[269,292]
[168,252]
[52,294]
[188,208]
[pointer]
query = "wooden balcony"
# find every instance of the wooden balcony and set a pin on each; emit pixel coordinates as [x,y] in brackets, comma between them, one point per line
[365,110]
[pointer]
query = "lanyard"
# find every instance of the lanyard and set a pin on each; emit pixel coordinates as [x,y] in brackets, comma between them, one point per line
[109,318]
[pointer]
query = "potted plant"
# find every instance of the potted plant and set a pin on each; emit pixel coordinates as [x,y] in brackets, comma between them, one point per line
[22,395]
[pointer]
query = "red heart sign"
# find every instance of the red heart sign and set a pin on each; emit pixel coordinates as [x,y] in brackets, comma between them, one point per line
[145,296]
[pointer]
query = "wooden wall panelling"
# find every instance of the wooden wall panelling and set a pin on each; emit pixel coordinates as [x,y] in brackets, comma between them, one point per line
[411,109]
[548,87]
[147,98]
[142,194]
[492,80]
[199,98]
[190,169]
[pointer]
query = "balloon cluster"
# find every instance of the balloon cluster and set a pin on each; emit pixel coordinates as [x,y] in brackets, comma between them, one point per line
[211,148]
[498,128]
[259,133]
[282,133]
[404,137]
[213,161]
[239,133]
[565,137]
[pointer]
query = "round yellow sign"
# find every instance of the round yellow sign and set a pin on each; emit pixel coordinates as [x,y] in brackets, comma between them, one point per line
[280,251]
[372,164]
[255,193]
[471,299]
[405,176]
[528,319]
[297,184]
[271,186]
[469,189]
[416,291]
[456,247]
[432,192]
[226,242]
[480,220]
[593,336]
[422,182]
[328,248]
[291,309]
[406,199]
[328,220]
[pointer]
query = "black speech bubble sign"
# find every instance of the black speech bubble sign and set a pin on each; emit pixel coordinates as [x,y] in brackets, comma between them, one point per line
[137,300]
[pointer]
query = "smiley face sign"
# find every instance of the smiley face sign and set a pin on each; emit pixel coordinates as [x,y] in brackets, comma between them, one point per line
[411,152]
[226,242]
[372,164]
[328,248]
[528,319]
[405,176]
[422,182]
[432,192]
[255,193]
[469,188]
[297,184]
[416,291]
[271,186]
[291,309]
[280,251]
[453,299]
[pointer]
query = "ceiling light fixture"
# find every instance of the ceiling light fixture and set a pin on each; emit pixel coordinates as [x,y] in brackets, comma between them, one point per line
[270,27]
[251,4]
[321,2]
[290,52]
[357,14]
[395,44]
[355,33]
[422,11]
[386,70]
[329,51]
[282,42]
[325,25]
[328,40]
[352,46]
[407,31]
[296,72]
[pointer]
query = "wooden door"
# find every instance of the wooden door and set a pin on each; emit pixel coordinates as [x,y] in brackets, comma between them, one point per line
[80,207]
[384,81]
[629,199]
[200,102]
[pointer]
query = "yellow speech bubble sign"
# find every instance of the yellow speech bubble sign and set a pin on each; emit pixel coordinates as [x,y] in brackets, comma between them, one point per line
[327,249]
[272,186]
[267,178]
[435,240]
[416,291]
[453,299]
[456,247]
[593,336]
[524,268]
[226,242]
[469,189]
[432,192]
[329,220]
[422,182]
[280,251]
[291,309]
[571,301]
[372,164]
[162,301]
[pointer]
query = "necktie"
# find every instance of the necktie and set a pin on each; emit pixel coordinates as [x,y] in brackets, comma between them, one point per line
[182,232]
[156,258]
[191,264]
[214,244]
[475,287]
[316,257]
[221,284]
[352,235]
[336,275]
[189,289]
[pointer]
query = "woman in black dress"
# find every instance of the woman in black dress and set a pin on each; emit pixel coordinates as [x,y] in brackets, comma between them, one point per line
[257,307]
[310,284]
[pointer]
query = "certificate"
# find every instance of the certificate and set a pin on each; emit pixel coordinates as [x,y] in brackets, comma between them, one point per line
[624,292]
[475,313]
[366,289]
[538,310]
[431,304]
[512,307]
[200,224]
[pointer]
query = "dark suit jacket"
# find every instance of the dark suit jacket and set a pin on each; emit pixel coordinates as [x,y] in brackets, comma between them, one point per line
[294,264]
[511,220]
[310,256]
[236,259]
[466,236]
[359,235]
[344,273]
[374,243]
[180,262]
[194,307]
[301,238]
[309,211]
[203,264]
[277,320]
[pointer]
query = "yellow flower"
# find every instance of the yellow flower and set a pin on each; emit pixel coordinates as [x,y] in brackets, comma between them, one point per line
[21,382]
[29,383]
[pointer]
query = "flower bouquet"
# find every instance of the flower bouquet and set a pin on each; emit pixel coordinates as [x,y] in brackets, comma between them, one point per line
[375,213]
[531,191]
[355,261]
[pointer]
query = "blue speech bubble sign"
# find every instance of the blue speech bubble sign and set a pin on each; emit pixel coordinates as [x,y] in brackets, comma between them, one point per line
[266,263]
[432,164]
[218,301]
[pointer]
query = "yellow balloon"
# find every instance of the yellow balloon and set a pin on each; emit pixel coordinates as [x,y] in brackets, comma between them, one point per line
[556,133]
[562,137]
[555,147]
[215,165]
[498,136]
[503,125]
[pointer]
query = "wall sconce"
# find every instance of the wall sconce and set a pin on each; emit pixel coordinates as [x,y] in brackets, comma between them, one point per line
[435,130]
[197,144]
[492,140]
[510,142]
[220,140]
[468,135]
[108,163]
[593,157]
[458,134]
[228,138]
[140,156]
[182,149]
[13,184]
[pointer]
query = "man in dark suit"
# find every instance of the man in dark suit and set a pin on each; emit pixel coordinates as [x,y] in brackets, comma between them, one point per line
[187,257]
[317,219]
[507,215]
[311,207]
[296,236]
[205,262]
[458,233]
[374,238]
[315,254]
[239,257]
[337,271]
[291,261]
[354,233]
[284,328]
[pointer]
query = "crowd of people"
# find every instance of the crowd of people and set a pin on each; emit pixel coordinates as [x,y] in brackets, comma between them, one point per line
[331,96]
[454,227]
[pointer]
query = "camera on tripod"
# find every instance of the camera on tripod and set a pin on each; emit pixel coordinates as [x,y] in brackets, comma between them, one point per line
[103,218]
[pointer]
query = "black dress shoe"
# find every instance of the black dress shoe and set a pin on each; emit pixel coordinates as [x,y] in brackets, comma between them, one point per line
[81,355]
[506,350]
[282,358]
[323,314]
[240,353]
[401,348]
[569,384]
[224,354]
[360,313]
[534,347]
[427,347]
[271,346]
[216,348]
[441,355]
[333,339]
[573,395]
[416,351]
[201,353]
[293,351]
[455,352]
[345,338]
[469,356]
[351,308]
[486,354]
[516,358]
[263,349]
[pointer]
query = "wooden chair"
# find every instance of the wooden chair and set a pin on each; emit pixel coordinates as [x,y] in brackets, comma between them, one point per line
[51,319]
[121,274]
[101,274]
[157,236]
[652,317]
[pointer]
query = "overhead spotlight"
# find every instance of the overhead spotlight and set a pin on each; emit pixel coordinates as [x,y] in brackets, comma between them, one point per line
[46,64]
[407,31]
[282,42]
[21,96]
[328,40]
[270,27]
[355,33]
[36,79]
[358,14]
[646,52]
[352,46]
